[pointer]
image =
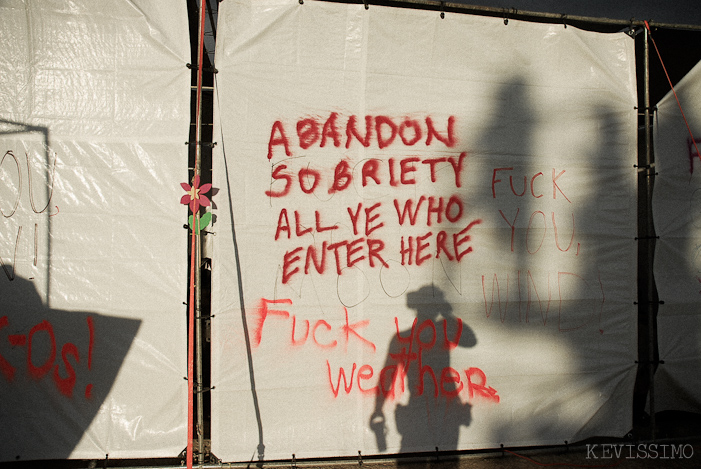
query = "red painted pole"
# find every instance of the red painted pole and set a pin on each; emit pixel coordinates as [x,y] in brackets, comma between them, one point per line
[194,247]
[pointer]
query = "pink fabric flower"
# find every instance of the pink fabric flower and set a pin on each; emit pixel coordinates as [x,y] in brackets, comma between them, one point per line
[195,194]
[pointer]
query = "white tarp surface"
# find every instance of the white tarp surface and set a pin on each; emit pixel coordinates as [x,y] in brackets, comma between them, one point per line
[94,111]
[677,215]
[433,232]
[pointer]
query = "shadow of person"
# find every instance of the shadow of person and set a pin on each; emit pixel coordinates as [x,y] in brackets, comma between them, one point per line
[418,367]
[57,368]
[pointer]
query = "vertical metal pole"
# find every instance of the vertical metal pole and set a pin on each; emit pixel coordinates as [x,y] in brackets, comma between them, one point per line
[198,350]
[650,239]
[190,339]
[198,270]
[195,274]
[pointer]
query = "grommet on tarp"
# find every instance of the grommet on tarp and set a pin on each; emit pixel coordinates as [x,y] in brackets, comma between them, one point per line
[367,7]
[507,14]
[360,459]
[442,9]
[301,2]
[632,30]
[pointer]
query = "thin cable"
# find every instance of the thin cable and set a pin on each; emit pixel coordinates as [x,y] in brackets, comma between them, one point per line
[674,92]
[242,304]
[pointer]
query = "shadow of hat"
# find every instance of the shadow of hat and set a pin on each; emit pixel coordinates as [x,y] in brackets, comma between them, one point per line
[429,299]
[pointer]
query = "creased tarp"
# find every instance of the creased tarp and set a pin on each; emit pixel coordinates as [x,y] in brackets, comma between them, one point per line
[94,110]
[677,214]
[517,145]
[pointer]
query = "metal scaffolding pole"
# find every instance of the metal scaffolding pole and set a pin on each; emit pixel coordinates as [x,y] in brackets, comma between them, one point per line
[649,234]
[513,13]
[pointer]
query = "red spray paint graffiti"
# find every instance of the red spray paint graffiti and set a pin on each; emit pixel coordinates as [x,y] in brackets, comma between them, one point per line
[63,373]
[382,130]
[407,363]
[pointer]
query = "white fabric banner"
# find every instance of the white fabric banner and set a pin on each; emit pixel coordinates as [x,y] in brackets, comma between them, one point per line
[94,111]
[676,204]
[424,232]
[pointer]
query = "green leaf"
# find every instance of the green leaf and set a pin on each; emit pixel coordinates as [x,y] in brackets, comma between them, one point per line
[205,220]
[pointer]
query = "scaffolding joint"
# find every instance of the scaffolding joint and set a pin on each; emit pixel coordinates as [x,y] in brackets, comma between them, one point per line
[204,69]
[200,143]
[633,30]
[202,231]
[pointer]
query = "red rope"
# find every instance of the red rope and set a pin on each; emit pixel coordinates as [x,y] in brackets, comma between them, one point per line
[193,251]
[674,92]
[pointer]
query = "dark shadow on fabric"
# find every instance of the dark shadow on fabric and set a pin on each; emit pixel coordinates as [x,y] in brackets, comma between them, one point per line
[56,369]
[56,366]
[432,417]
[261,445]
[572,323]
[680,52]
